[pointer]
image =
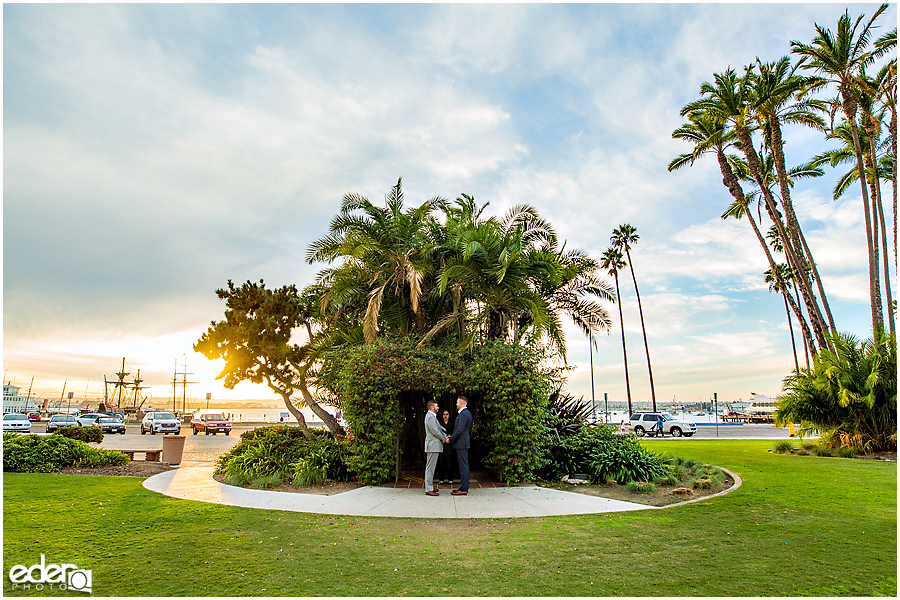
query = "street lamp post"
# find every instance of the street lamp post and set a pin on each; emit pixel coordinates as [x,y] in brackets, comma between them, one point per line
[716,411]
[591,351]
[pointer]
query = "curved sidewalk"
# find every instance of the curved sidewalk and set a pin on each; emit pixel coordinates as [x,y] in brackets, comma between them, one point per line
[196,483]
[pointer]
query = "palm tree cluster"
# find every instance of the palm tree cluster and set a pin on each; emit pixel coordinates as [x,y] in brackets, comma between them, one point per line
[443,272]
[623,238]
[826,85]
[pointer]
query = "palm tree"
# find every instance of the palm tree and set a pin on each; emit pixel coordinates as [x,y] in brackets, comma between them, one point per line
[840,57]
[776,283]
[877,169]
[706,130]
[730,99]
[779,95]
[612,262]
[623,238]
[389,246]
[513,280]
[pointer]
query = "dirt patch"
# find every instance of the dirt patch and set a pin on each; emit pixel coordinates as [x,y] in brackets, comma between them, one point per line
[329,488]
[136,468]
[886,456]
[882,456]
[663,496]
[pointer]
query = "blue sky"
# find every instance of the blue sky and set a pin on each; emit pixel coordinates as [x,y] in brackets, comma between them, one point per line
[152,152]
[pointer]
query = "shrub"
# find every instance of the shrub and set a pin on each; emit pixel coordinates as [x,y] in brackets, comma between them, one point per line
[669,479]
[783,447]
[641,487]
[846,452]
[567,455]
[822,451]
[624,462]
[48,454]
[269,453]
[705,483]
[849,394]
[85,434]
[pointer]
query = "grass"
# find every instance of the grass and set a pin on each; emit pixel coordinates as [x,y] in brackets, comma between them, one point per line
[799,526]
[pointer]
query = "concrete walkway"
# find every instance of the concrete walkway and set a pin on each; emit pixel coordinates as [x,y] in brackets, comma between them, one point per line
[195,482]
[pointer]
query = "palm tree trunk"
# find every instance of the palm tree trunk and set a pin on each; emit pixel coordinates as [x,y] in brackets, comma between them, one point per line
[806,343]
[874,194]
[849,106]
[818,279]
[893,129]
[815,317]
[624,352]
[731,182]
[884,248]
[799,240]
[643,328]
[791,328]
[795,306]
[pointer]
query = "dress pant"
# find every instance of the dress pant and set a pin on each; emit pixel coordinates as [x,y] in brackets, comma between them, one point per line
[432,459]
[445,466]
[462,457]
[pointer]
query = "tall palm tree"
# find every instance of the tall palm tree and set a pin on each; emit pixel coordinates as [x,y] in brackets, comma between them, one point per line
[623,238]
[706,130]
[778,94]
[776,283]
[840,57]
[876,162]
[730,98]
[612,262]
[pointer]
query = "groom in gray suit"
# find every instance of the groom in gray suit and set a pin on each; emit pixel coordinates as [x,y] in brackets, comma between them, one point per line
[434,445]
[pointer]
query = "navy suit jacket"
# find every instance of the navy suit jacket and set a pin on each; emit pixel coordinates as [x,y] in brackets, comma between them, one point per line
[460,437]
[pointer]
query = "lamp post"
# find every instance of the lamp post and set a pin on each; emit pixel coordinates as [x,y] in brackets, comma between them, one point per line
[591,351]
[716,411]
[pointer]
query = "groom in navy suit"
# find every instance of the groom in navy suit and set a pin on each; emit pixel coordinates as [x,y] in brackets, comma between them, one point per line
[460,442]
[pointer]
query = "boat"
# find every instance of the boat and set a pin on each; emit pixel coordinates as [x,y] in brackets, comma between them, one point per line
[758,408]
[13,402]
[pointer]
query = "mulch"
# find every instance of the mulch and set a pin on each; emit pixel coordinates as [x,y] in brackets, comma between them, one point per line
[136,468]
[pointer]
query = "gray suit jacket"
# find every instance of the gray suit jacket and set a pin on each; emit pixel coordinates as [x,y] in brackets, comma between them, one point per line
[434,436]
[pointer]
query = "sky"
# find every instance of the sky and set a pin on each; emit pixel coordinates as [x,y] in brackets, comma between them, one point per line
[153,152]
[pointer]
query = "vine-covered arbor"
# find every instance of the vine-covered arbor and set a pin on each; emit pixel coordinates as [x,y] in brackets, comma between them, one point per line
[386,385]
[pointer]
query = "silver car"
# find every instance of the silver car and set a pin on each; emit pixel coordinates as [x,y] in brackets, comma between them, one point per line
[160,422]
[57,421]
[16,422]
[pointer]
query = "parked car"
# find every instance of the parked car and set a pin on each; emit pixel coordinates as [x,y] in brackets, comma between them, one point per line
[644,422]
[34,417]
[57,421]
[160,422]
[17,422]
[88,419]
[210,423]
[111,425]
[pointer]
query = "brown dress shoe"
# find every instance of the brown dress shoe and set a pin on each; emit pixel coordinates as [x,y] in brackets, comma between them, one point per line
[459,493]
[432,493]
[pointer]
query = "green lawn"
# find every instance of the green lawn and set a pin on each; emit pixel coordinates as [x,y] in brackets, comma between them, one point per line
[800,525]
